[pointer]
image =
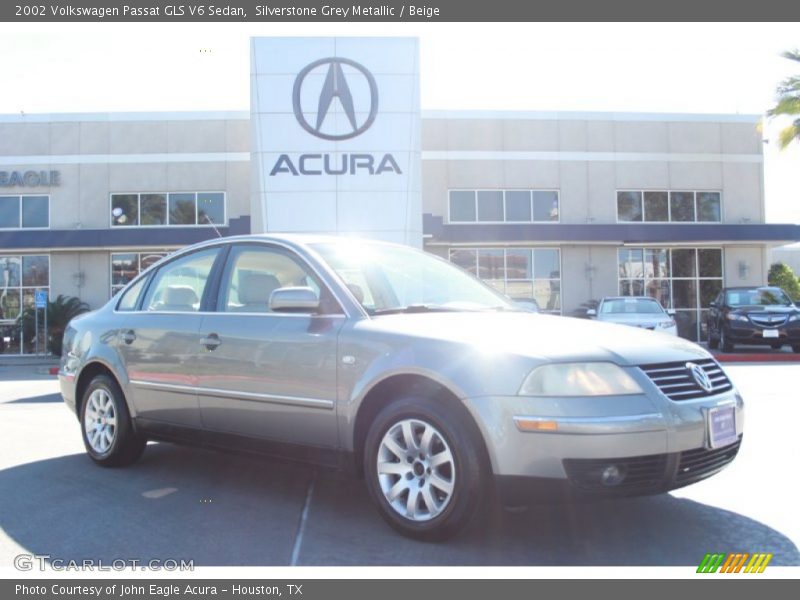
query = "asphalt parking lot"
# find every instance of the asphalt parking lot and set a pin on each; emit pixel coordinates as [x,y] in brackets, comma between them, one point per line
[222,509]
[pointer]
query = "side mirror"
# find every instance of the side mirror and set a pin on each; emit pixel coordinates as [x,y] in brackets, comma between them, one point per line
[591,313]
[293,299]
[712,304]
[671,312]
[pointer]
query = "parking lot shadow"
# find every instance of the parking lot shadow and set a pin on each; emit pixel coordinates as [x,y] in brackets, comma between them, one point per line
[223,509]
[42,399]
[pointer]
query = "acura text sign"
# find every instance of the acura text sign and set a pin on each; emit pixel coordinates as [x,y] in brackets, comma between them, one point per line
[336,136]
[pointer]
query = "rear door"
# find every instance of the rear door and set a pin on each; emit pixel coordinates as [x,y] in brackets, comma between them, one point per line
[160,343]
[269,375]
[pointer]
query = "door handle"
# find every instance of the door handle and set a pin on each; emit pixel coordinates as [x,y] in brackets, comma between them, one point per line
[128,336]
[211,341]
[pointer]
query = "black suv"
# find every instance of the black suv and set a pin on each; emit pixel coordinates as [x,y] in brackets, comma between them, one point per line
[753,315]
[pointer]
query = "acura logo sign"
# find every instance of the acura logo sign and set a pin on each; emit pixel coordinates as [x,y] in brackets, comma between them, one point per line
[700,376]
[318,120]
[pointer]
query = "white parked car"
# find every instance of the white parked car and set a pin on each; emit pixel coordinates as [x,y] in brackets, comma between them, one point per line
[637,311]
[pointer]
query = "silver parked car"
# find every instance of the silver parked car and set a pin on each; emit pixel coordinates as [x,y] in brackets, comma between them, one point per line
[636,311]
[431,384]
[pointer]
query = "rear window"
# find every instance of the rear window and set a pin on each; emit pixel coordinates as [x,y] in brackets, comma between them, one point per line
[624,306]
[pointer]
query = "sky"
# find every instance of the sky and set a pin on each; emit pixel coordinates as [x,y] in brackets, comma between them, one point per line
[632,67]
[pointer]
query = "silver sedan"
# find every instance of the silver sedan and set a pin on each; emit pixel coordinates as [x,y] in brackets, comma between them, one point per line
[395,363]
[636,311]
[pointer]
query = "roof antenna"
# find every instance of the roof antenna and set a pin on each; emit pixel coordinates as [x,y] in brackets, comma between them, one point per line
[210,222]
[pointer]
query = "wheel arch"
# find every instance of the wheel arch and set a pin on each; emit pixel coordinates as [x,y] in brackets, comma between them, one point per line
[398,385]
[85,377]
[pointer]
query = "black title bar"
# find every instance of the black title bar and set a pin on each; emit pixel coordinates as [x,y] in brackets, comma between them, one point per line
[394,11]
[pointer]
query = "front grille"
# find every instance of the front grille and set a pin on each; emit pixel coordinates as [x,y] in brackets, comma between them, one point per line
[641,472]
[677,383]
[768,320]
[701,463]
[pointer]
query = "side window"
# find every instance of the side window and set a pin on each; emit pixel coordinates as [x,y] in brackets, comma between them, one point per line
[253,273]
[131,296]
[178,285]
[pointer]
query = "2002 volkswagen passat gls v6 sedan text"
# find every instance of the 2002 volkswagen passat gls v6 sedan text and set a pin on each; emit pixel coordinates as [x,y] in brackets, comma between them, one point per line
[397,362]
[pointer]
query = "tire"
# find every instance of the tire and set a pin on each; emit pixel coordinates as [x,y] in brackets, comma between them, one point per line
[724,342]
[447,491]
[106,425]
[713,342]
[796,348]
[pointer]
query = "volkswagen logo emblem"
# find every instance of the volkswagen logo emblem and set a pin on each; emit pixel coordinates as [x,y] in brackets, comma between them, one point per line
[316,120]
[700,376]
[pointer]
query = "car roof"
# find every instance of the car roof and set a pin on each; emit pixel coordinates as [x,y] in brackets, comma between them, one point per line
[751,287]
[627,298]
[295,240]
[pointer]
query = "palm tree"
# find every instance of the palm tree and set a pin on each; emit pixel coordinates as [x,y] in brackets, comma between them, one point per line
[788,104]
[59,313]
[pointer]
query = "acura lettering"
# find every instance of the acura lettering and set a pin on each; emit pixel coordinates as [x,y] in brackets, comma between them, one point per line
[331,164]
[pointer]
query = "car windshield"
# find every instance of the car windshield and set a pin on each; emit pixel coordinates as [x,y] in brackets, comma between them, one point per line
[758,297]
[386,278]
[627,306]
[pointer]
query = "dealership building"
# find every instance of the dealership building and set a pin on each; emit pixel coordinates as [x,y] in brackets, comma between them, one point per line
[561,207]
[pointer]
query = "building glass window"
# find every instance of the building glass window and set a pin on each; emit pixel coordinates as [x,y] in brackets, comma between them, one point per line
[656,206]
[629,206]
[708,207]
[681,206]
[545,206]
[153,209]
[518,206]
[26,212]
[503,206]
[490,206]
[161,209]
[20,278]
[684,279]
[519,273]
[634,206]
[126,266]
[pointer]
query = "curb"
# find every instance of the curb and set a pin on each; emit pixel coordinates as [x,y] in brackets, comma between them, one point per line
[784,357]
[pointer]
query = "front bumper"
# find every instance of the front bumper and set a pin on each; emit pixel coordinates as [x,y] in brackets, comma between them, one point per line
[652,474]
[749,333]
[647,436]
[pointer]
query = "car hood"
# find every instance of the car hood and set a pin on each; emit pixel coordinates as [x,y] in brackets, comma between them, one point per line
[634,319]
[544,337]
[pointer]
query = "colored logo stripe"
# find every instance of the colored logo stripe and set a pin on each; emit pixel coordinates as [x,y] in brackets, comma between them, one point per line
[734,562]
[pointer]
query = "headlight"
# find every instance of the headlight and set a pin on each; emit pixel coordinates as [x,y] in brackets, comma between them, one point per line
[579,379]
[735,317]
[665,324]
[794,318]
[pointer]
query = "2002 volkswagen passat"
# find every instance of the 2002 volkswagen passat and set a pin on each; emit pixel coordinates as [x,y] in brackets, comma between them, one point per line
[393,360]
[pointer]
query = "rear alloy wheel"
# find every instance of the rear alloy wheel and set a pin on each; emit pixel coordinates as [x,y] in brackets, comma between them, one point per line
[423,469]
[106,425]
[724,342]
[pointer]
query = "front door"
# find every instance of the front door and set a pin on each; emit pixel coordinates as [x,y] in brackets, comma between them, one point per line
[269,375]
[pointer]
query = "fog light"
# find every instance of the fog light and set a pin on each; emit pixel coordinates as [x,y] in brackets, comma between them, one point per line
[612,475]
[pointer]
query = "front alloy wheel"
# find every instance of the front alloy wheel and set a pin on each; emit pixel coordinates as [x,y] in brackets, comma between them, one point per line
[425,467]
[416,470]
